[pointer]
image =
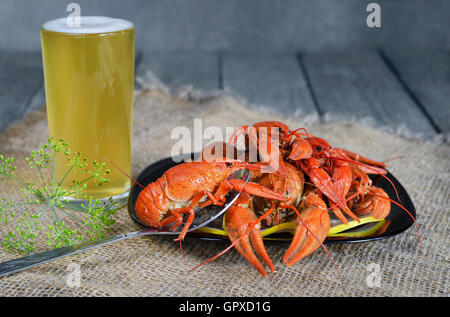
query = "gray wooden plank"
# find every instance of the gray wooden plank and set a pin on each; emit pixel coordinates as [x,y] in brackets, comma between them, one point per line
[176,69]
[274,81]
[359,85]
[427,75]
[20,79]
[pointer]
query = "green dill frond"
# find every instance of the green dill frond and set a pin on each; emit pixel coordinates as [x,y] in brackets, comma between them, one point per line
[50,197]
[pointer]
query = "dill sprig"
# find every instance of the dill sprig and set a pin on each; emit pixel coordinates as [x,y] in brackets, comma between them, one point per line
[49,198]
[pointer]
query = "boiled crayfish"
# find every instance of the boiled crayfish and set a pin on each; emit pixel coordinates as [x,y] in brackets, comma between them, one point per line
[297,178]
[337,180]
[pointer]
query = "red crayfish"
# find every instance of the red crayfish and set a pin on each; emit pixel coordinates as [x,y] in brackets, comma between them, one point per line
[297,178]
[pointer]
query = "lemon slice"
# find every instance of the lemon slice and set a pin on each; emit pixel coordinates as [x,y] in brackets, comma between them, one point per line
[211,230]
[338,229]
[365,230]
[337,226]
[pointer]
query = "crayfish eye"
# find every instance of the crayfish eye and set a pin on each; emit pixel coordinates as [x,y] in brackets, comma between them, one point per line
[358,179]
[319,148]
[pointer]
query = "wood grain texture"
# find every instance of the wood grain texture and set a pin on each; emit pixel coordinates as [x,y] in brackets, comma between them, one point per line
[413,91]
[275,81]
[21,79]
[427,76]
[176,69]
[359,85]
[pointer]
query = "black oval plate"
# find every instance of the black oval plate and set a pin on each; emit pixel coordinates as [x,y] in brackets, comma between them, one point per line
[398,219]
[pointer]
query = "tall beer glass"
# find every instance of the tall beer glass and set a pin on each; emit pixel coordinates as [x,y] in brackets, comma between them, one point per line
[89,84]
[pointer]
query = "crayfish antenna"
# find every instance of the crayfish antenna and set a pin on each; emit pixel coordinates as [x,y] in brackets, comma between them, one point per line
[299,134]
[181,249]
[394,158]
[123,172]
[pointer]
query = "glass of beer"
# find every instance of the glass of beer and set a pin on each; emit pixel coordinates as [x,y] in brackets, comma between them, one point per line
[89,87]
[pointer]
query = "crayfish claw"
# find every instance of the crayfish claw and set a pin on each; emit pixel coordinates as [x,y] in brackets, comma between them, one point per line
[241,224]
[313,224]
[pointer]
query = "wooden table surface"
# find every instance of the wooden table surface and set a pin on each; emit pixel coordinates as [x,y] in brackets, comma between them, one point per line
[410,89]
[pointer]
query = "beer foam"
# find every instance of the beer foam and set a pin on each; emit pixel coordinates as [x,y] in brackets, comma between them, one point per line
[88,25]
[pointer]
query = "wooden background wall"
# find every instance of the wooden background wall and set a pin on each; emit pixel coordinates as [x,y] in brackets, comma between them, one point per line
[245,25]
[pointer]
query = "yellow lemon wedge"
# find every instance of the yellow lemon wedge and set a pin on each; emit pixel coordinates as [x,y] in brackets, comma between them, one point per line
[338,226]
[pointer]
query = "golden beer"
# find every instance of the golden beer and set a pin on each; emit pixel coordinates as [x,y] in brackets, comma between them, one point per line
[89,84]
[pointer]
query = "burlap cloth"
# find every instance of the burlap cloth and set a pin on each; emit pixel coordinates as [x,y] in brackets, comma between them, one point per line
[154,266]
